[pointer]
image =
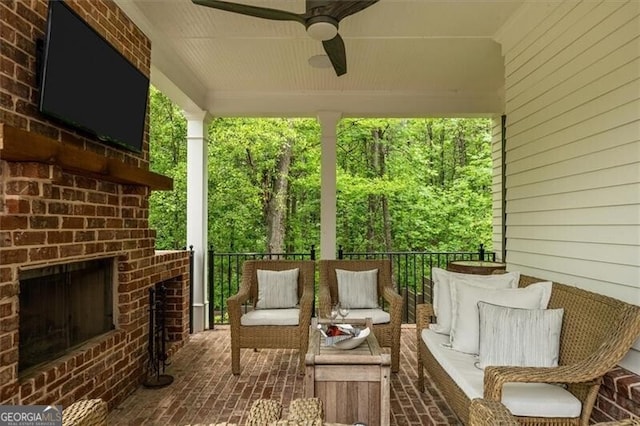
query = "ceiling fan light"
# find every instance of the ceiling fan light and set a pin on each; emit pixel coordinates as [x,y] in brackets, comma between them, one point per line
[322,31]
[320,61]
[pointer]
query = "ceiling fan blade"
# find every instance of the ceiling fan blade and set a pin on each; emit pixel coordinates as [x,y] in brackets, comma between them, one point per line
[336,53]
[341,9]
[258,12]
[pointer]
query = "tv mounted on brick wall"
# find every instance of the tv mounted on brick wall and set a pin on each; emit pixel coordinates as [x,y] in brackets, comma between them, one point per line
[87,84]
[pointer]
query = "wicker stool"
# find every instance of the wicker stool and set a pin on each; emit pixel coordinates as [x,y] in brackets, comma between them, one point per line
[86,412]
[214,424]
[302,412]
[306,409]
[264,411]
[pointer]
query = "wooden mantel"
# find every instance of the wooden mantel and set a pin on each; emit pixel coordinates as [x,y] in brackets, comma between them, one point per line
[21,145]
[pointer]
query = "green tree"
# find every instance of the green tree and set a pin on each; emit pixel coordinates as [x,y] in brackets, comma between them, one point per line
[249,184]
[168,156]
[433,174]
[403,184]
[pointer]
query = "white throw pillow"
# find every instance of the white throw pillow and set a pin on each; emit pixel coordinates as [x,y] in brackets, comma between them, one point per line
[277,289]
[358,289]
[442,292]
[465,322]
[519,337]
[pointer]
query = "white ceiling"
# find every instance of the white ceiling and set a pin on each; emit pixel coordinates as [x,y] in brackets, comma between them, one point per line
[404,58]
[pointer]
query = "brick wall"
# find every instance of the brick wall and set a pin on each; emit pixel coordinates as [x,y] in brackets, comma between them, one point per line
[51,216]
[177,310]
[23,22]
[619,397]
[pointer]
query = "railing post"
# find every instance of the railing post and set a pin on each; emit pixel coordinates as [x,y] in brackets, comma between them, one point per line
[210,281]
[340,252]
[312,254]
[481,252]
[191,289]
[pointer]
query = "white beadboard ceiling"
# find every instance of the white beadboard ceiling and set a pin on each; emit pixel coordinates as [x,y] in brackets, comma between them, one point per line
[404,58]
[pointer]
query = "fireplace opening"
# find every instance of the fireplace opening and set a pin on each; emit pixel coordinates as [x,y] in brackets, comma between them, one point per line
[61,307]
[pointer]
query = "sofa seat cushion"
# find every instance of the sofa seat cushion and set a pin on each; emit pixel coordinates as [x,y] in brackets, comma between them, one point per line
[522,399]
[271,317]
[378,316]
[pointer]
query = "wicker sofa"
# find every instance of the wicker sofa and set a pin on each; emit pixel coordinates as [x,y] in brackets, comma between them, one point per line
[597,332]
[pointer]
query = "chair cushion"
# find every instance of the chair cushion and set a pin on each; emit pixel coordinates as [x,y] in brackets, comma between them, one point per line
[522,399]
[378,316]
[277,289]
[442,291]
[271,317]
[358,289]
[519,337]
[465,321]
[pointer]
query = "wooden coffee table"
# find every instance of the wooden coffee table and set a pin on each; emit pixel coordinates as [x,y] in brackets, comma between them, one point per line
[353,384]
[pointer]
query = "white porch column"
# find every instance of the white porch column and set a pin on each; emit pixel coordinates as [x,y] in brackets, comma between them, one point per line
[328,122]
[197,177]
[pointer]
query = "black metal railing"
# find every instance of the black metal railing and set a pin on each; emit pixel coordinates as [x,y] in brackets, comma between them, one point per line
[411,274]
[225,274]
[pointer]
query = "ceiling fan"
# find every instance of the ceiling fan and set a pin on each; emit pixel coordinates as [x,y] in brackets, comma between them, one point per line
[320,20]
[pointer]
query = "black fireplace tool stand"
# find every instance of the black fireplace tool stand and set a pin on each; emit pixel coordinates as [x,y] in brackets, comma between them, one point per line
[157,340]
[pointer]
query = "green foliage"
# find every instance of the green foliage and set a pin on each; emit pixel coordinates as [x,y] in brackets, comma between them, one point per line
[242,166]
[403,184]
[437,181]
[168,156]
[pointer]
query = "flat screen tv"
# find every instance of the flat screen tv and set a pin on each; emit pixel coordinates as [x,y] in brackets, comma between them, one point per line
[87,84]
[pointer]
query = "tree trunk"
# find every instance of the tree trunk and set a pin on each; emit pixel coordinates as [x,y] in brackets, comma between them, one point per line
[443,165]
[386,214]
[461,145]
[379,154]
[276,213]
[371,222]
[374,155]
[291,213]
[430,152]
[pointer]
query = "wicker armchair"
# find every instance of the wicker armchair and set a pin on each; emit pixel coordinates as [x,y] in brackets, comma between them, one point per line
[270,336]
[387,334]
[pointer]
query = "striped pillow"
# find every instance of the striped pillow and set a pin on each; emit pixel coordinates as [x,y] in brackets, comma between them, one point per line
[519,337]
[277,289]
[358,289]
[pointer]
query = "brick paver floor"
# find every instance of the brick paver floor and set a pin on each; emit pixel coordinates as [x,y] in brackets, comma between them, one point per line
[205,391]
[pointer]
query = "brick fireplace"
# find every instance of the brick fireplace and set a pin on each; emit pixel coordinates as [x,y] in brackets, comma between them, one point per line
[68,200]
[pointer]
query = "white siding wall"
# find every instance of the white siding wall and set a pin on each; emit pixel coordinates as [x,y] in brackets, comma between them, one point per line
[572,100]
